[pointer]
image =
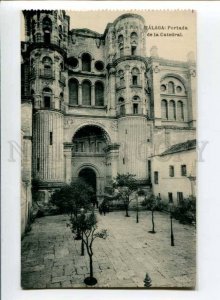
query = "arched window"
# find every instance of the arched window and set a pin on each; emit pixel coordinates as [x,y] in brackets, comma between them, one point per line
[61,99]
[99,94]
[164,109]
[121,44]
[170,87]
[73,92]
[47,97]
[121,78]
[180,110]
[86,93]
[172,110]
[136,98]
[86,62]
[47,29]
[134,41]
[47,62]
[60,32]
[122,109]
[135,76]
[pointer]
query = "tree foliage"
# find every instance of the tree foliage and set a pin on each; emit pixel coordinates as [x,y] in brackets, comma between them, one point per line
[126,184]
[70,198]
[185,211]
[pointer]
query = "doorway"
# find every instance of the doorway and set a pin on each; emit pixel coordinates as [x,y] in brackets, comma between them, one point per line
[89,176]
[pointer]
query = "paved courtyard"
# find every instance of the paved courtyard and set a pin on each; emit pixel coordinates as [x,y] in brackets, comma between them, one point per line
[51,257]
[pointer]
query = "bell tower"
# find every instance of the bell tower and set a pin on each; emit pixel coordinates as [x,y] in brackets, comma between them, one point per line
[131,99]
[46,44]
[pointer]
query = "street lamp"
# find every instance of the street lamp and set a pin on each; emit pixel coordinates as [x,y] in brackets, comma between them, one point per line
[137,209]
[82,215]
[171,223]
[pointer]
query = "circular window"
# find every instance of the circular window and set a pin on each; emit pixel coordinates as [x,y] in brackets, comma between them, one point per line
[73,62]
[99,65]
[163,88]
[178,89]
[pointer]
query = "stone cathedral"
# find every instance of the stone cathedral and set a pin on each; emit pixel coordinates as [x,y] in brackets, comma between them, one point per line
[96,104]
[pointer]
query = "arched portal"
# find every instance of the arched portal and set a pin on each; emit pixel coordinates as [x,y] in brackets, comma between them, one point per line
[91,157]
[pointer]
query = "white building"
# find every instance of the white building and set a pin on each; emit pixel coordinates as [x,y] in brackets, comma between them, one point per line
[174,172]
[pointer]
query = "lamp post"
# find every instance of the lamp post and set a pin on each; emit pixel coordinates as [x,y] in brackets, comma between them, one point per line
[171,224]
[137,211]
[82,219]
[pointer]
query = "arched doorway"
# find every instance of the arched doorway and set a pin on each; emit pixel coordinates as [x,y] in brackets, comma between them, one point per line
[89,176]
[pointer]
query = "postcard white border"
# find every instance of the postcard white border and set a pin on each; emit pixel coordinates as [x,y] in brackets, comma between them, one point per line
[208,58]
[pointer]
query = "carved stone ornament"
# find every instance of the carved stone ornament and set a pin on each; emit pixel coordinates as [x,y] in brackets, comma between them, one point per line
[68,122]
[114,126]
[98,42]
[73,38]
[156,69]
[193,72]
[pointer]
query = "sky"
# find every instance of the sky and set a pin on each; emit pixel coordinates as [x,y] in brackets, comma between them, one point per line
[174,48]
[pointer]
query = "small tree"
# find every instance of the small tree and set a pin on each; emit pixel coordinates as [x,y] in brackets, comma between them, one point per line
[88,226]
[71,198]
[126,185]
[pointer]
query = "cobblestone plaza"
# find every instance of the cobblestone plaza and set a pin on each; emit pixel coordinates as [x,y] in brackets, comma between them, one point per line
[51,257]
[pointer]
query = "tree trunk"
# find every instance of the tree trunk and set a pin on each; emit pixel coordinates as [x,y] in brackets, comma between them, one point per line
[91,266]
[126,210]
[152,220]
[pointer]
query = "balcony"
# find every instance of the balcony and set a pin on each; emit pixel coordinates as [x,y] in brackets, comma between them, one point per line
[47,74]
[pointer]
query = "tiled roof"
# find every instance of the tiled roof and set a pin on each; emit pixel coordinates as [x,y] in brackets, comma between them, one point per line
[188,145]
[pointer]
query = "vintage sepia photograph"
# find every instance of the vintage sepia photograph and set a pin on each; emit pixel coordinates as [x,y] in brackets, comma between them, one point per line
[109,151]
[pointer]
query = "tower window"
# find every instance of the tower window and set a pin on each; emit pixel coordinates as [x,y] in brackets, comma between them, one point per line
[122,110]
[47,29]
[156,177]
[51,138]
[133,50]
[135,108]
[123,161]
[171,171]
[135,76]
[134,80]
[46,101]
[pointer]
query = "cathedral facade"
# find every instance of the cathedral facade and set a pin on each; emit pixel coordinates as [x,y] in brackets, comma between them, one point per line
[94,105]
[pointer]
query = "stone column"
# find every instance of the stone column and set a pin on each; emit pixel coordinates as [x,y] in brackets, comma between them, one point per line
[80,94]
[112,89]
[68,162]
[93,95]
[192,96]
[127,87]
[92,65]
[113,153]
[156,93]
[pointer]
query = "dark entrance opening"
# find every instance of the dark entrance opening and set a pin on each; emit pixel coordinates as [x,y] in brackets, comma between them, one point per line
[89,176]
